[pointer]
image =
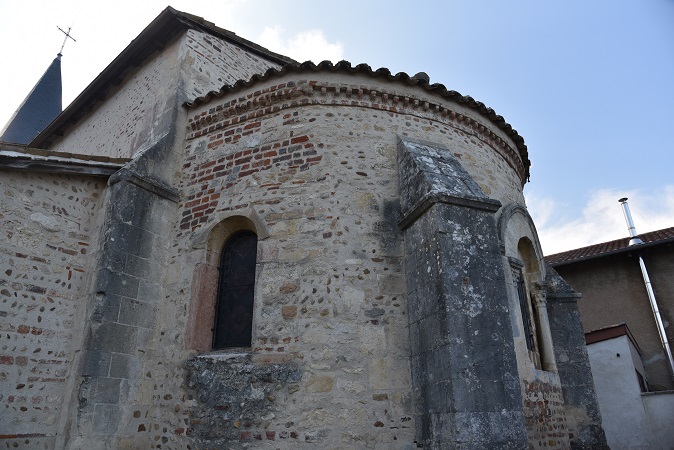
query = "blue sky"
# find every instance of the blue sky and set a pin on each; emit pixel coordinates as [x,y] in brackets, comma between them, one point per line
[588,84]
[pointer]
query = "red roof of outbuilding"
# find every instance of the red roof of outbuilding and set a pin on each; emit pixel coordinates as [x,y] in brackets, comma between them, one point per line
[610,247]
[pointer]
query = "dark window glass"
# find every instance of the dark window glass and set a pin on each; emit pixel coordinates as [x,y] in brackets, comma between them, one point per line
[642,383]
[234,313]
[524,310]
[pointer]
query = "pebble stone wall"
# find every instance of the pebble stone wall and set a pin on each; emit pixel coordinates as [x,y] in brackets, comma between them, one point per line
[319,171]
[47,223]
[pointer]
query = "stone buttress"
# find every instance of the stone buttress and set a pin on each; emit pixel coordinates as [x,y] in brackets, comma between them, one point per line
[464,367]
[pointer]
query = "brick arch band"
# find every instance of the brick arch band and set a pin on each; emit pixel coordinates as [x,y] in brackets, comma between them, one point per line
[301,93]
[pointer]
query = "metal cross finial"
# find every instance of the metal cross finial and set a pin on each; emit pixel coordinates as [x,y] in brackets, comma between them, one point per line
[65,39]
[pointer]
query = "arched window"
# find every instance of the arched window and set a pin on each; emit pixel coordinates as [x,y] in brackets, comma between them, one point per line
[526,311]
[530,320]
[236,291]
[531,296]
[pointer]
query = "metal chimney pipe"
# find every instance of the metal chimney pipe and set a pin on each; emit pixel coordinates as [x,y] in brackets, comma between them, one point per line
[630,224]
[649,289]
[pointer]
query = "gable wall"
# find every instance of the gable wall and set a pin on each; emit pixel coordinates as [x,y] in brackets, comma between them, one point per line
[142,110]
[131,116]
[211,63]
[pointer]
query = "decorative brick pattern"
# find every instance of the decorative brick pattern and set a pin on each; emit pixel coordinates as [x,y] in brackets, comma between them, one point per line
[291,94]
[545,416]
[285,158]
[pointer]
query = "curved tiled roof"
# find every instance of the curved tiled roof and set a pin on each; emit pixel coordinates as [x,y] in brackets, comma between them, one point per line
[419,80]
[611,247]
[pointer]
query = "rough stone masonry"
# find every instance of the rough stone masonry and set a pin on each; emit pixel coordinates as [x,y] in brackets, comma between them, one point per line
[400,295]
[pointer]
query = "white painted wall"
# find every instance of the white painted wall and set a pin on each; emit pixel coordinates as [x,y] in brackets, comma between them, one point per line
[625,420]
[660,411]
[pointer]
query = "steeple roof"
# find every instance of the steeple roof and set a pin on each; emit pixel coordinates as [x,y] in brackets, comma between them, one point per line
[39,108]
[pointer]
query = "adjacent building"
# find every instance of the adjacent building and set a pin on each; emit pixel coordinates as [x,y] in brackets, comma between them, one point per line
[610,279]
[629,363]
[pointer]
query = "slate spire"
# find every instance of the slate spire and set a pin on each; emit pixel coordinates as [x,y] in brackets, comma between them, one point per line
[39,108]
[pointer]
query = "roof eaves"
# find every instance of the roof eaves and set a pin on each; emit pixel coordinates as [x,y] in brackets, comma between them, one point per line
[611,332]
[15,157]
[588,255]
[346,66]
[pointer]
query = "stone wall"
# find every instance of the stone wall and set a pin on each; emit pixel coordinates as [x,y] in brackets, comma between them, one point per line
[309,161]
[48,229]
[123,313]
[464,366]
[318,181]
[545,409]
[134,113]
[210,63]
[583,419]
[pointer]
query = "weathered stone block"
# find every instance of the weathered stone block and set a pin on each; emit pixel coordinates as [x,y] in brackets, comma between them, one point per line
[149,291]
[109,282]
[136,313]
[320,384]
[106,307]
[106,418]
[125,366]
[104,390]
[289,311]
[115,337]
[96,363]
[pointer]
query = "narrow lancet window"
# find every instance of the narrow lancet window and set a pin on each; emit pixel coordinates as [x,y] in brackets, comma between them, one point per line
[529,332]
[236,291]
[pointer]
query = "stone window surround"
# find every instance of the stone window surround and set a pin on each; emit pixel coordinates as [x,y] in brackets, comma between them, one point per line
[210,243]
[515,211]
[542,356]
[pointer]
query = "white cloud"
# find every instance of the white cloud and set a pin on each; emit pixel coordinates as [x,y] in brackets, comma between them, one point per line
[303,46]
[602,218]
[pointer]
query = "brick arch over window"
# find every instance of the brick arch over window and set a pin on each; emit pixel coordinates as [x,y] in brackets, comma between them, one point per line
[210,245]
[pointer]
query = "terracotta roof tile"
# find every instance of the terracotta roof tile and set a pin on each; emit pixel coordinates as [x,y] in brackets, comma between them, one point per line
[610,247]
